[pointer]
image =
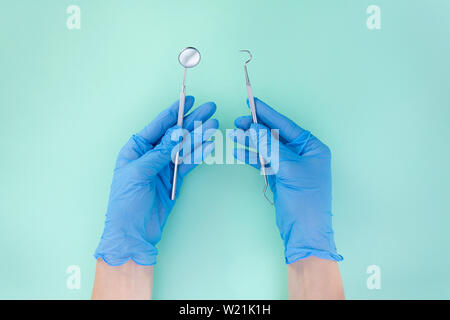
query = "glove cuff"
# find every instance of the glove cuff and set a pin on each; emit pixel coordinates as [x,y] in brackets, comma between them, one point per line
[305,253]
[114,261]
[116,253]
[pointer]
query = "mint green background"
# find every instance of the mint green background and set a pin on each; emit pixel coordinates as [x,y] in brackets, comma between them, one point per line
[380,99]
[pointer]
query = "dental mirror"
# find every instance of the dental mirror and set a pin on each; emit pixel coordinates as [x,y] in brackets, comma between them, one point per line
[189,57]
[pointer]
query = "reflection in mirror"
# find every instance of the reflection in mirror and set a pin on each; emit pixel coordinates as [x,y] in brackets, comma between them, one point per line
[189,57]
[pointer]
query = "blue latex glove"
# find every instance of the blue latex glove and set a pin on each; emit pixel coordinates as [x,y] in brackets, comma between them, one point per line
[301,186]
[139,201]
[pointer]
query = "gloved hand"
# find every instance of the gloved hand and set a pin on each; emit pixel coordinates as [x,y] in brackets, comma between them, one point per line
[300,181]
[139,201]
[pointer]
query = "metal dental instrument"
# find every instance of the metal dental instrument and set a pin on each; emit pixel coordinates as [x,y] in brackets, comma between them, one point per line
[189,57]
[251,102]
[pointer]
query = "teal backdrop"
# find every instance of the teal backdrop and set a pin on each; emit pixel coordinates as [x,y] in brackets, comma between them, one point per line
[69,99]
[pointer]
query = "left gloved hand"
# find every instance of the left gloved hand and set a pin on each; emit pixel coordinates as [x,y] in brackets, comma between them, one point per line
[139,201]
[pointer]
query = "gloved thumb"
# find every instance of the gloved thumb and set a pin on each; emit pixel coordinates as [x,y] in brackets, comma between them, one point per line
[159,157]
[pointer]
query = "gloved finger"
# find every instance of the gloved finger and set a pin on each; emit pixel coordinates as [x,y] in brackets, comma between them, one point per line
[199,155]
[268,149]
[196,137]
[241,137]
[202,113]
[262,139]
[162,154]
[156,159]
[154,131]
[142,142]
[135,147]
[139,144]
[298,146]
[247,156]
[288,129]
[251,158]
[243,122]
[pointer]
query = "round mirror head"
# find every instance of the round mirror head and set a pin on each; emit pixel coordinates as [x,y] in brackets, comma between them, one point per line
[189,57]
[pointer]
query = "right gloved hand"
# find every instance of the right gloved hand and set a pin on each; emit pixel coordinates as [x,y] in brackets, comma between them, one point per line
[300,181]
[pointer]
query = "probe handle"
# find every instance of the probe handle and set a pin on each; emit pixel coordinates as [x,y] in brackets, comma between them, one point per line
[251,102]
[181,108]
